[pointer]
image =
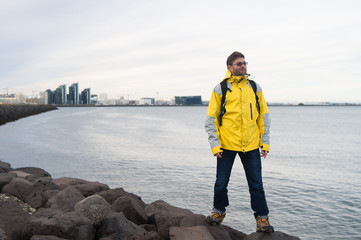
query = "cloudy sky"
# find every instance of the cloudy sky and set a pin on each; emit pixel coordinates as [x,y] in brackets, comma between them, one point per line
[298,51]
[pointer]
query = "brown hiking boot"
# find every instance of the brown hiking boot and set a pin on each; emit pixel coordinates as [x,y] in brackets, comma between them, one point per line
[216,217]
[263,224]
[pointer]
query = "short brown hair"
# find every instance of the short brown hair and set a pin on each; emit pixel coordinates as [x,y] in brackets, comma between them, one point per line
[233,57]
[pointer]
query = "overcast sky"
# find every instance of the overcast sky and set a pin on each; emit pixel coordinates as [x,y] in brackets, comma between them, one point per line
[298,51]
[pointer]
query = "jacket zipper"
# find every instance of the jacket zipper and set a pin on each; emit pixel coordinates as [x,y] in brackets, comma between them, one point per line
[251,111]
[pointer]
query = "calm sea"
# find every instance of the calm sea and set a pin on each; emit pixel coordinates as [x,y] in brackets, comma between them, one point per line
[312,177]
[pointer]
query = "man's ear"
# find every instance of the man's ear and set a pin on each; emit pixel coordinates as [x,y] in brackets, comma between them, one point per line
[229,67]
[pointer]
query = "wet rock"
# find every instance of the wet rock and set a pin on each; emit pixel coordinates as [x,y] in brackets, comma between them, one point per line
[12,219]
[117,226]
[54,222]
[131,208]
[65,200]
[94,207]
[190,233]
[270,236]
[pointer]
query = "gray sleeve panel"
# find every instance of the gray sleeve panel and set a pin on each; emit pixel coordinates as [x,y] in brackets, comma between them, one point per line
[218,89]
[267,125]
[212,132]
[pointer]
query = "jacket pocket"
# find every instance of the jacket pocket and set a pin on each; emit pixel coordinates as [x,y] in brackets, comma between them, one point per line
[251,111]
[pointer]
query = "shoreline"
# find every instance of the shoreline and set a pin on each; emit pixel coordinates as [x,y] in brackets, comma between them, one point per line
[35,206]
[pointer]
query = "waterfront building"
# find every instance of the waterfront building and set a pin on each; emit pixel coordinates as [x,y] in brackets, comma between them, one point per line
[147,101]
[188,100]
[60,95]
[73,97]
[86,96]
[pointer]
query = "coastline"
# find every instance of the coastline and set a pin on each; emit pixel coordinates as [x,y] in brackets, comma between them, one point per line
[35,206]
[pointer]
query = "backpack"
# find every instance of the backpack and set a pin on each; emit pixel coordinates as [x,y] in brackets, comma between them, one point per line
[225,88]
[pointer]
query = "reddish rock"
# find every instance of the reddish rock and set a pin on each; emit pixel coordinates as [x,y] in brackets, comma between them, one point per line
[18,187]
[146,236]
[131,208]
[5,178]
[270,236]
[54,222]
[66,199]
[113,194]
[91,188]
[12,219]
[65,182]
[117,226]
[190,233]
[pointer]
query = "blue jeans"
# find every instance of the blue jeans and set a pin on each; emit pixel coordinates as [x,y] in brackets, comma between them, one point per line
[252,166]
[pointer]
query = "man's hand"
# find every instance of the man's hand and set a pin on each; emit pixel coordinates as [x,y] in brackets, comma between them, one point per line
[264,153]
[218,155]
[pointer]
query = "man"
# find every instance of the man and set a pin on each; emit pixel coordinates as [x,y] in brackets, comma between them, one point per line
[242,128]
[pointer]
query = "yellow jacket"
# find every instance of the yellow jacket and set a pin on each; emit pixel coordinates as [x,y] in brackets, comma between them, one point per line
[243,128]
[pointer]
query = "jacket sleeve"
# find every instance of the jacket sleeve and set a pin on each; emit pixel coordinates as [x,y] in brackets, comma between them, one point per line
[264,122]
[211,124]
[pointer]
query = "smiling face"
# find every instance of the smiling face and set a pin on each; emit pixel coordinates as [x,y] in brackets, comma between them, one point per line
[238,67]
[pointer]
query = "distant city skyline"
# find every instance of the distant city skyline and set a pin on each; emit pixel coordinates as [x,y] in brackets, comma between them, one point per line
[298,51]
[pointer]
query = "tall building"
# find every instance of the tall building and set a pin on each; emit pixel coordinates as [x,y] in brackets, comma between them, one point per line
[60,95]
[85,96]
[73,97]
[188,100]
[50,96]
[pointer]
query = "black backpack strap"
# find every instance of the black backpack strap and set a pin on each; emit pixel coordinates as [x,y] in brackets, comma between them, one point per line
[254,86]
[224,88]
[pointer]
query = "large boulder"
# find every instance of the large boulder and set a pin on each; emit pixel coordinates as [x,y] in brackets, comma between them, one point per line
[113,194]
[152,235]
[66,199]
[5,178]
[165,216]
[270,236]
[190,233]
[117,226]
[94,207]
[131,208]
[3,235]
[54,222]
[12,219]
[65,182]
[218,232]
[18,187]
[5,167]
[91,188]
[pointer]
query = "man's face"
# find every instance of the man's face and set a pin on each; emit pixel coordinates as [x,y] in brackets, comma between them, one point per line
[239,67]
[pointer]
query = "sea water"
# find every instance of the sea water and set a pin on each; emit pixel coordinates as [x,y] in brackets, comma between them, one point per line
[312,176]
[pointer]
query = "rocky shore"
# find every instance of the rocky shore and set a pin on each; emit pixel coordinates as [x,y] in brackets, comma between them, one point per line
[35,206]
[9,113]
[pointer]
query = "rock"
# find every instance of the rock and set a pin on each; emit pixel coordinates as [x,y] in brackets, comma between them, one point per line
[19,174]
[12,219]
[36,196]
[18,187]
[270,236]
[131,208]
[54,222]
[113,194]
[94,207]
[37,172]
[5,178]
[90,188]
[42,237]
[117,226]
[146,236]
[65,200]
[219,232]
[190,233]
[10,113]
[3,235]
[65,182]
[149,227]
[5,167]
[5,197]
[165,216]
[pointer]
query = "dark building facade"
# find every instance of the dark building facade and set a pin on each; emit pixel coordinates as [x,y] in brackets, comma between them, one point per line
[188,100]
[85,96]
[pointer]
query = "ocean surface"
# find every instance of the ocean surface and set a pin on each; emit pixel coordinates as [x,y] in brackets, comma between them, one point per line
[312,176]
